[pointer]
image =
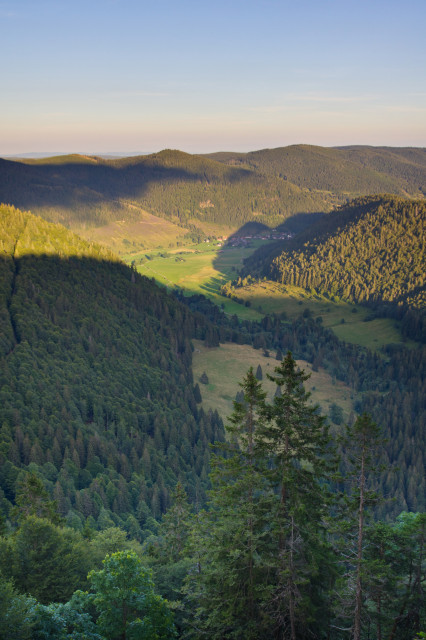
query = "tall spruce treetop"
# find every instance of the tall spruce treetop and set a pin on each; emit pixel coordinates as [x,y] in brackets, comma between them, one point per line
[295,440]
[362,444]
[231,587]
[295,436]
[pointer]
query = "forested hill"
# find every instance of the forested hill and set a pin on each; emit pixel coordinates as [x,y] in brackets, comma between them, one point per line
[76,190]
[345,171]
[370,251]
[96,389]
[226,188]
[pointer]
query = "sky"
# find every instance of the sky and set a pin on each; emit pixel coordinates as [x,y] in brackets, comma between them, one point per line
[99,76]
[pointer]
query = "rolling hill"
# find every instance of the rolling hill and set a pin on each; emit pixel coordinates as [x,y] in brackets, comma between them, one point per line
[217,192]
[345,171]
[369,251]
[80,190]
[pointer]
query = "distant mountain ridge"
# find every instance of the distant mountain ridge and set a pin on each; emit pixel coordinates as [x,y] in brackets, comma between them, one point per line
[77,190]
[351,170]
[268,186]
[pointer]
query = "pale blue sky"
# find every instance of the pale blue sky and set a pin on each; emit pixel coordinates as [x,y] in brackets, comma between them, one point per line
[132,75]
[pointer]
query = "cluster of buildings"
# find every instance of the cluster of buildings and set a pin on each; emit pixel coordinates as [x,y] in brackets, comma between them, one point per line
[245,241]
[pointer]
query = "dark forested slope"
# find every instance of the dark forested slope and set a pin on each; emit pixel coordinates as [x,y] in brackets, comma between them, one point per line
[225,188]
[96,390]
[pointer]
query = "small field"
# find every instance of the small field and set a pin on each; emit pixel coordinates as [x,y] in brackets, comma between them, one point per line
[201,268]
[227,365]
[348,321]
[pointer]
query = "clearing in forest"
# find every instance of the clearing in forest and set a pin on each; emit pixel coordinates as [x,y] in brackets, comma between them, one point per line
[226,366]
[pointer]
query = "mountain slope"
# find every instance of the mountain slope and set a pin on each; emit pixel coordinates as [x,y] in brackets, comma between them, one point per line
[96,389]
[346,171]
[75,189]
[371,250]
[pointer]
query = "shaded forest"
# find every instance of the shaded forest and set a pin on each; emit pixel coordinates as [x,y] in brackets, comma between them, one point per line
[96,384]
[268,186]
[76,190]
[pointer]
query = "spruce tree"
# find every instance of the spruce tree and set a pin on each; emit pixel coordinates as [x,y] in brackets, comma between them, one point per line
[295,439]
[230,586]
[264,561]
[361,446]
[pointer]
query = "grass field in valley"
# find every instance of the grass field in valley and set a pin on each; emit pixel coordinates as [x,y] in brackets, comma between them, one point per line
[348,321]
[203,268]
[227,365]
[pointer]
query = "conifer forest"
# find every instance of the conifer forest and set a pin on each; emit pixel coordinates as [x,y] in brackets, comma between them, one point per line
[133,509]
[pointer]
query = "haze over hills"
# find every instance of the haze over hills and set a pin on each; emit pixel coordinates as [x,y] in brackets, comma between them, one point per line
[50,154]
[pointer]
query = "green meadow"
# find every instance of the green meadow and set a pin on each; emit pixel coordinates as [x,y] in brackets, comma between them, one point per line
[205,267]
[349,322]
[226,366]
[201,268]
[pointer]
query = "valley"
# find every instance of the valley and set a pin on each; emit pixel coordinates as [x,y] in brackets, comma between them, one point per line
[143,304]
[205,268]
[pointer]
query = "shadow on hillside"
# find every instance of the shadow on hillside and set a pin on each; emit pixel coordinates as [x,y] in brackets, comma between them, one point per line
[278,237]
[93,182]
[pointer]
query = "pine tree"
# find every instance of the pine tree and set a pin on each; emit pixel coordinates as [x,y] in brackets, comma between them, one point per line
[32,499]
[295,439]
[361,445]
[230,585]
[175,524]
[263,559]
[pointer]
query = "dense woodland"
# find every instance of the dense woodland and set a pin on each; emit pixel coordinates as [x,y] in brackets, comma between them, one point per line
[76,190]
[346,171]
[371,251]
[126,511]
[96,383]
[285,548]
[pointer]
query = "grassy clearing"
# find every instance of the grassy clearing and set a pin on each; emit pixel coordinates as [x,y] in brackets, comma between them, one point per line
[201,269]
[227,365]
[205,267]
[348,321]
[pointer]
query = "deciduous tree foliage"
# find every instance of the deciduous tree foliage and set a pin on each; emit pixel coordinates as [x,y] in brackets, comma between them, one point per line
[127,606]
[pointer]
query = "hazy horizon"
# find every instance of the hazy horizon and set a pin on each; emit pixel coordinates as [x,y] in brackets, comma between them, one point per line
[33,155]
